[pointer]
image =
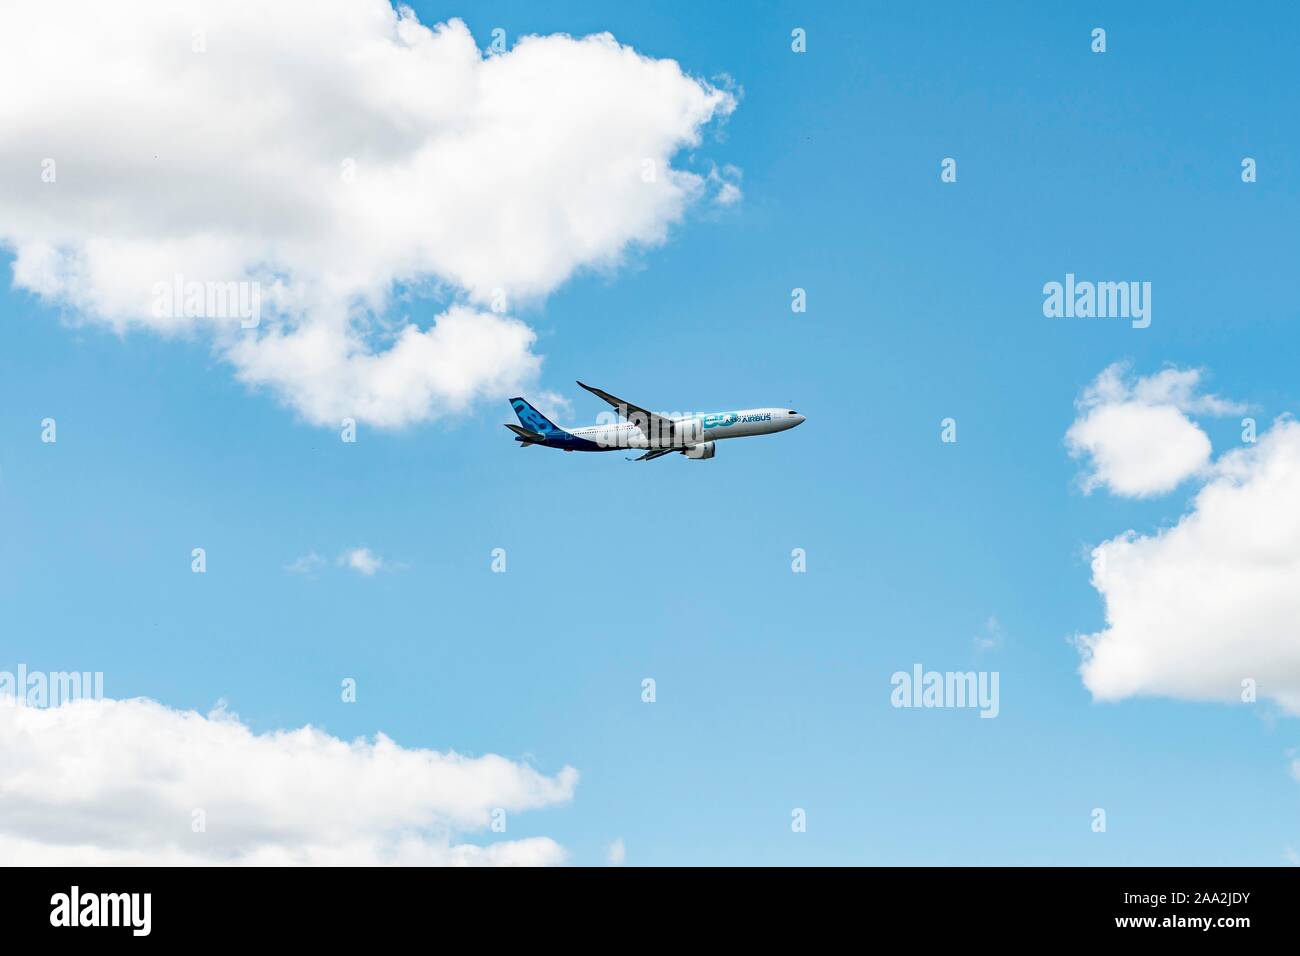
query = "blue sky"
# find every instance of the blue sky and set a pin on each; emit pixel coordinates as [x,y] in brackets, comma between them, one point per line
[924,302]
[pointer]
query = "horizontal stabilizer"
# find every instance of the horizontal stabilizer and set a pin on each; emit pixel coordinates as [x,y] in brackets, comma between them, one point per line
[525,434]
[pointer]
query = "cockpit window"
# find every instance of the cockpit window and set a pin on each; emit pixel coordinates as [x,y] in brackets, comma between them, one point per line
[792,413]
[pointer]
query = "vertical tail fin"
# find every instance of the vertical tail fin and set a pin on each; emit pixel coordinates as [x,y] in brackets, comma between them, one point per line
[534,420]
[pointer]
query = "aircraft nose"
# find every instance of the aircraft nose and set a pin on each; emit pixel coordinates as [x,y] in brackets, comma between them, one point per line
[798,419]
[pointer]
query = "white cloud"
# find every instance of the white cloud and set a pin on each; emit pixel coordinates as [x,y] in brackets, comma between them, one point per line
[727,184]
[1138,450]
[617,852]
[1136,434]
[305,564]
[340,154]
[991,638]
[117,782]
[1170,386]
[1196,609]
[362,560]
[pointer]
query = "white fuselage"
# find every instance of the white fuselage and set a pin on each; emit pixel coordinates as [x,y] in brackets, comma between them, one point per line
[690,430]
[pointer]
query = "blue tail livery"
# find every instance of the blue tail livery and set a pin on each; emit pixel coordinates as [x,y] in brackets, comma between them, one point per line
[533,420]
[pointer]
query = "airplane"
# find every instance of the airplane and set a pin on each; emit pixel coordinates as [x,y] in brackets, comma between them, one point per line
[694,436]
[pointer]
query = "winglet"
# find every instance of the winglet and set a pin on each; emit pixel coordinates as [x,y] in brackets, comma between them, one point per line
[612,399]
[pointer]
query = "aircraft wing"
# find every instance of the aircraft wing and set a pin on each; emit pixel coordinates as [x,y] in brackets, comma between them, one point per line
[658,453]
[644,419]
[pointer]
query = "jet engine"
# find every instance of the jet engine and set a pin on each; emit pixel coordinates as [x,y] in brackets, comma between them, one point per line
[701,451]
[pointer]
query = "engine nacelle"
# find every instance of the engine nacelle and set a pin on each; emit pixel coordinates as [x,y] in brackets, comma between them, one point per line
[701,451]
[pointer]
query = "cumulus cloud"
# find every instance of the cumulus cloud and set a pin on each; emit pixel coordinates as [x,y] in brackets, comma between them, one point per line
[362,560]
[1196,609]
[617,853]
[107,782]
[341,160]
[1136,434]
[1170,386]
